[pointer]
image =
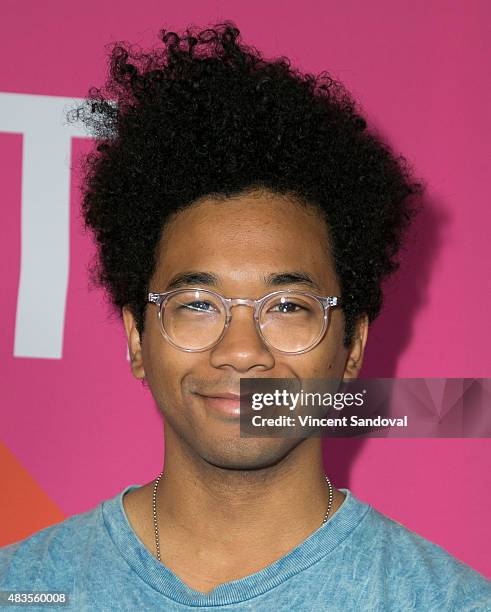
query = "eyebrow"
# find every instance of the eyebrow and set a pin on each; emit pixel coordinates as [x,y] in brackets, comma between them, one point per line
[275,279]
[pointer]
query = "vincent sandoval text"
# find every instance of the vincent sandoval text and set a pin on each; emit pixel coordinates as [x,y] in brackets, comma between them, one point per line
[310,421]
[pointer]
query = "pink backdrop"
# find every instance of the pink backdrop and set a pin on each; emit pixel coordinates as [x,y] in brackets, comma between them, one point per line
[75,426]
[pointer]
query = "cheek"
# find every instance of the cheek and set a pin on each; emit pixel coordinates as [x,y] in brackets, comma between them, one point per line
[159,357]
[324,363]
[163,368]
[328,358]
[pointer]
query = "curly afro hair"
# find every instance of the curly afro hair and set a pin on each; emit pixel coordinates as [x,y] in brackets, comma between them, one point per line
[207,115]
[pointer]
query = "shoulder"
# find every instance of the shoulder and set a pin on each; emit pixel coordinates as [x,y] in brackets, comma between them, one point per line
[419,570]
[50,552]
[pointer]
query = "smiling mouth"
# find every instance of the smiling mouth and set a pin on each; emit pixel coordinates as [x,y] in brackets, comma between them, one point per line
[224,404]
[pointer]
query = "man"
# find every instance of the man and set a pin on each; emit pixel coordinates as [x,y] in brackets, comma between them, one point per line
[224,185]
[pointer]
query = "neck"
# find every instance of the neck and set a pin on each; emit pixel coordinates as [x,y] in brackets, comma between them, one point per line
[283,503]
[218,525]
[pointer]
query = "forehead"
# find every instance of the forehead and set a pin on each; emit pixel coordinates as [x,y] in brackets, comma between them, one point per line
[242,238]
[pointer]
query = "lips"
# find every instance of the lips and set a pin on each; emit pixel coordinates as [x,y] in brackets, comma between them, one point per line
[231,396]
[223,404]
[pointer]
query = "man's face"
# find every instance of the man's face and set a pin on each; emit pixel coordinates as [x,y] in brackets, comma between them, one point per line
[241,241]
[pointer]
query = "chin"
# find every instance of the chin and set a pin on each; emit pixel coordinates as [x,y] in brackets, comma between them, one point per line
[247,453]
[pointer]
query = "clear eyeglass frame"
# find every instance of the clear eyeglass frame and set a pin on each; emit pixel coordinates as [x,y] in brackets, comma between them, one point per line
[326,302]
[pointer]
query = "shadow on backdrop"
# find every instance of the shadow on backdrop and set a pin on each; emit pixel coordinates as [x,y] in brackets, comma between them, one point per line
[404,295]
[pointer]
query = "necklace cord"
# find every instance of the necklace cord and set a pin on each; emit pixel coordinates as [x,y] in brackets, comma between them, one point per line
[154,508]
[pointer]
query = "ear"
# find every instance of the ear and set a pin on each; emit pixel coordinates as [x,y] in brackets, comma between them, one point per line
[357,350]
[134,344]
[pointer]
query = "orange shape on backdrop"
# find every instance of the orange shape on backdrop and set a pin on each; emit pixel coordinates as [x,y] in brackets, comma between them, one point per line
[24,508]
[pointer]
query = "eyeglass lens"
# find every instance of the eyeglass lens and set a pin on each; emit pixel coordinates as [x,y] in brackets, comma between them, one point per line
[289,322]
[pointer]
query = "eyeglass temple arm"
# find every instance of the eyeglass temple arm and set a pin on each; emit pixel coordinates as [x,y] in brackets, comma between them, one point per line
[155,298]
[332,301]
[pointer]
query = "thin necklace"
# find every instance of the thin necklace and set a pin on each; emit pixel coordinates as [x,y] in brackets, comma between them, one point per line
[156,527]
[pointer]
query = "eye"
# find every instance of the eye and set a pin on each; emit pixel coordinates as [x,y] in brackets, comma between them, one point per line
[286,307]
[199,305]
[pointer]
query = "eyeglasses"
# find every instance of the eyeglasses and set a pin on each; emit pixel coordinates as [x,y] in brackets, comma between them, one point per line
[290,321]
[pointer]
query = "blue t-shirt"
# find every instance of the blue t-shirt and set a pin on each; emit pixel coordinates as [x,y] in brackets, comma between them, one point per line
[358,560]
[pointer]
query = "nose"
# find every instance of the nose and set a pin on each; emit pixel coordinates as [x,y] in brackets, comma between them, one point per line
[242,348]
